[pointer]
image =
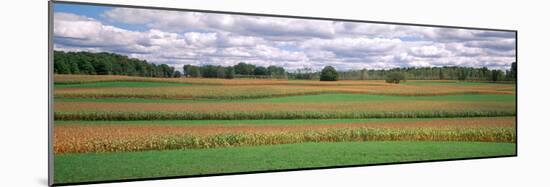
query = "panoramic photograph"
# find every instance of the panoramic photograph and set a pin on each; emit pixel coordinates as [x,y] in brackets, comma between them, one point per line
[151,93]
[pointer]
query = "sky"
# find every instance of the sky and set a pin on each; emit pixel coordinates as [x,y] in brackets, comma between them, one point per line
[177,38]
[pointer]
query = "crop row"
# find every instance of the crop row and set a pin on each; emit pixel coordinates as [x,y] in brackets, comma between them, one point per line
[106,143]
[260,90]
[256,115]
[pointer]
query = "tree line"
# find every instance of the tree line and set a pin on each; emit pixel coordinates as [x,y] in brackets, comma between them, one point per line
[416,73]
[114,64]
[435,73]
[240,70]
[108,64]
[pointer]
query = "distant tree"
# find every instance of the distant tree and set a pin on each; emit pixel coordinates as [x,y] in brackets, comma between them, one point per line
[106,64]
[462,74]
[276,71]
[329,74]
[497,75]
[209,71]
[260,70]
[508,75]
[166,71]
[86,67]
[395,77]
[485,73]
[177,74]
[220,72]
[186,69]
[101,66]
[229,72]
[61,67]
[441,75]
[191,70]
[244,69]
[74,67]
[304,74]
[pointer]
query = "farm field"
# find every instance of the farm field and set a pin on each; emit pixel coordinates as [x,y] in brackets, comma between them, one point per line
[150,164]
[158,127]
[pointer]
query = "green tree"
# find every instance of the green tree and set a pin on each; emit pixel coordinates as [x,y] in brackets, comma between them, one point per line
[329,74]
[61,67]
[86,67]
[462,74]
[244,69]
[220,72]
[177,74]
[191,71]
[229,72]
[260,70]
[497,75]
[395,77]
[209,71]
[74,67]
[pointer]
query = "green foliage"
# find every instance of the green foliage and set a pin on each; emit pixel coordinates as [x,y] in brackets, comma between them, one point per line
[497,75]
[191,71]
[260,70]
[241,70]
[177,74]
[209,71]
[61,67]
[114,64]
[102,67]
[329,74]
[107,64]
[86,67]
[463,74]
[425,73]
[276,71]
[395,77]
[304,74]
[229,73]
[244,69]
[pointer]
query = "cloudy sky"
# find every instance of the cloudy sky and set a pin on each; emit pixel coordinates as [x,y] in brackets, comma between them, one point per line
[177,38]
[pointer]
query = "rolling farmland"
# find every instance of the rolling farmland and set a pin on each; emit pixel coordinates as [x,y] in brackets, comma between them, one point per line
[194,125]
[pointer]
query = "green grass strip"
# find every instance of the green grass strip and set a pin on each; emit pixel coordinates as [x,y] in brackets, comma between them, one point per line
[93,167]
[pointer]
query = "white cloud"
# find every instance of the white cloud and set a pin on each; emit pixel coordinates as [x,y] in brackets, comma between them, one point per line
[432,51]
[178,38]
[175,21]
[358,46]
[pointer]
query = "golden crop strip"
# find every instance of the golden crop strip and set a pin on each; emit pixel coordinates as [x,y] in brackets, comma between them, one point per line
[366,106]
[69,79]
[259,91]
[247,88]
[114,138]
